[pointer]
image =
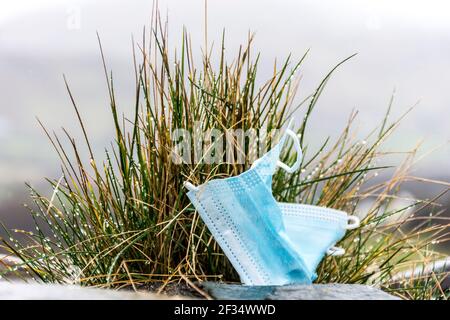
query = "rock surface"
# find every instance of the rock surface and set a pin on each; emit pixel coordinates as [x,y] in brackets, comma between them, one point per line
[23,291]
[35,291]
[296,292]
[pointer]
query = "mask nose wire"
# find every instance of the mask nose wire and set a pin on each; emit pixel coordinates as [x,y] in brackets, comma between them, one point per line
[297,148]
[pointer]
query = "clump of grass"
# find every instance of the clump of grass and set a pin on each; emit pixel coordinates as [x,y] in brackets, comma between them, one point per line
[126,221]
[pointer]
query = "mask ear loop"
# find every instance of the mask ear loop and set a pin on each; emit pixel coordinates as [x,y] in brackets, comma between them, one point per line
[335,251]
[190,186]
[352,223]
[297,148]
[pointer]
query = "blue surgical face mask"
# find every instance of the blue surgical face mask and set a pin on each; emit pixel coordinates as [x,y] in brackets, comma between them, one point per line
[312,230]
[246,222]
[247,225]
[268,243]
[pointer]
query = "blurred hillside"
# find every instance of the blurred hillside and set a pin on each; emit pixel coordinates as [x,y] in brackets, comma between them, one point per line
[406,48]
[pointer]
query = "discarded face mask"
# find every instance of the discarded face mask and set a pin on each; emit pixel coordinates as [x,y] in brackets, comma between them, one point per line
[268,243]
[246,222]
[312,230]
